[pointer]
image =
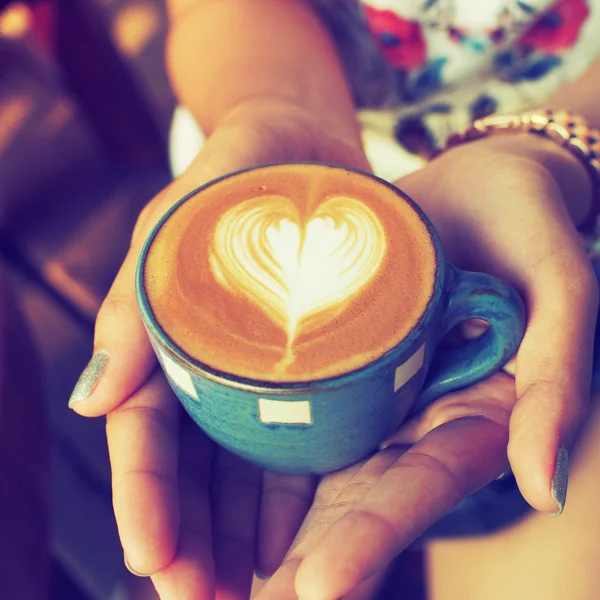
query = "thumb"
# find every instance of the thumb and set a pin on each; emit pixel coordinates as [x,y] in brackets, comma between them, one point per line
[122,358]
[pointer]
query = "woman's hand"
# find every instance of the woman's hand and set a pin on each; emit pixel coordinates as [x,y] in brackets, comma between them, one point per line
[176,496]
[365,515]
[191,514]
[501,209]
[506,206]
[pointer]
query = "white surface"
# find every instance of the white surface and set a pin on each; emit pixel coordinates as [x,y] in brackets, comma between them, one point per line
[284,411]
[407,370]
[178,375]
[185,141]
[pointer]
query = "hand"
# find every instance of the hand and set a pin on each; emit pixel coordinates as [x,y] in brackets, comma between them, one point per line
[365,515]
[190,514]
[498,209]
[506,206]
[165,477]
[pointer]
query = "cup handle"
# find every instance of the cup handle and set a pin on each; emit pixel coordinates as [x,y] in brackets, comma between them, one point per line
[474,296]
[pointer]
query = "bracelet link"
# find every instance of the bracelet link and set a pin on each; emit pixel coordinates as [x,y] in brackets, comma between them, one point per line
[579,148]
[558,133]
[534,121]
[595,169]
[501,122]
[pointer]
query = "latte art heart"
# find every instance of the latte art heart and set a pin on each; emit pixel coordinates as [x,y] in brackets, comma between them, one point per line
[301,274]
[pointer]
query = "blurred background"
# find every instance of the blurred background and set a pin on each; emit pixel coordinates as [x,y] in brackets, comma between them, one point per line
[85,108]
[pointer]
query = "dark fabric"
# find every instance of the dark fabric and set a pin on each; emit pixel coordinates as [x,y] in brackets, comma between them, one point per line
[24,550]
[372,81]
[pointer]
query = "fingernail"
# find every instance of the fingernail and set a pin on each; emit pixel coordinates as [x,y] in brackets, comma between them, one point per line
[90,377]
[260,576]
[560,480]
[128,566]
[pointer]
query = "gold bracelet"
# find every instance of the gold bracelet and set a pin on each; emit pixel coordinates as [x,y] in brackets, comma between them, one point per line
[566,129]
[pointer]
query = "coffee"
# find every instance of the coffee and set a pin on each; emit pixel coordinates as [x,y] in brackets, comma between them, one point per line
[290,272]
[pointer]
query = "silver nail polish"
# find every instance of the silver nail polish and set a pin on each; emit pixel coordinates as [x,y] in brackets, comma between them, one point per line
[90,377]
[260,576]
[504,475]
[560,480]
[128,567]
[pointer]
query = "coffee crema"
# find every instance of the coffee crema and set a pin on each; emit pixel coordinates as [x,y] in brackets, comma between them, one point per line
[290,272]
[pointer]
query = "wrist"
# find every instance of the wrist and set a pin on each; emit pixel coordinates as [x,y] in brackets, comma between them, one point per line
[568,172]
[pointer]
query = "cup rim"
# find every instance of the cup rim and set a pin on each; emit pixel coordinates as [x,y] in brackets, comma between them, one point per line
[288,387]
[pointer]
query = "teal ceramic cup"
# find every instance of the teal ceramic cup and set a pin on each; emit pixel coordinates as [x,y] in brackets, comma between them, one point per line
[323,425]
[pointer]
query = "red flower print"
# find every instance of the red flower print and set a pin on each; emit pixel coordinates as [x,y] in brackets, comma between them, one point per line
[401,41]
[558,28]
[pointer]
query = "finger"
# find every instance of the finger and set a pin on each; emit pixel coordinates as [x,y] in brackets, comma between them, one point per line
[285,500]
[190,576]
[123,357]
[553,374]
[545,259]
[334,497]
[493,398]
[142,440]
[533,245]
[510,368]
[450,463]
[236,496]
[281,585]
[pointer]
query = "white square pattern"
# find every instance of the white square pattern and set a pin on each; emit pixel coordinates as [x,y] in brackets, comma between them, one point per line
[178,375]
[407,370]
[284,411]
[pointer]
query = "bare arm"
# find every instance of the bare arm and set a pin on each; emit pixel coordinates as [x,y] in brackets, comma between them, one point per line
[224,55]
[582,96]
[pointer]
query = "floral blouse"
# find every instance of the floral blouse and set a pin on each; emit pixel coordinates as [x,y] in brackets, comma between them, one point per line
[442,63]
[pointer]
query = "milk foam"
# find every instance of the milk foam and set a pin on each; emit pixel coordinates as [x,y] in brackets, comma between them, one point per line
[299,274]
